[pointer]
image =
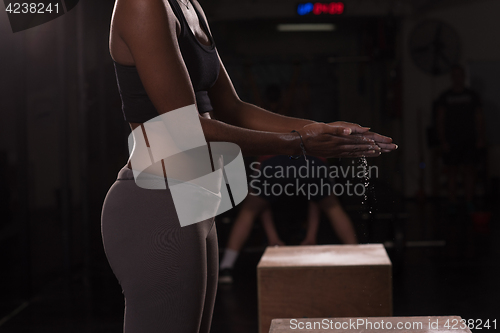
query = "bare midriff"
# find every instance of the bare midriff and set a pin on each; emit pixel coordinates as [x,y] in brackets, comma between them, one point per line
[133,126]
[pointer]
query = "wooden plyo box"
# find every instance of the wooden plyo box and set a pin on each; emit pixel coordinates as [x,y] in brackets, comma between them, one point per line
[323,281]
[371,325]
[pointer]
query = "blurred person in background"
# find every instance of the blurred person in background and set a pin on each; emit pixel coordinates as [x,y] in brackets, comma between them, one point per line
[461,134]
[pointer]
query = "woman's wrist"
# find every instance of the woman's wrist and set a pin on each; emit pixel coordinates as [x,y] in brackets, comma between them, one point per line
[302,147]
[292,144]
[303,122]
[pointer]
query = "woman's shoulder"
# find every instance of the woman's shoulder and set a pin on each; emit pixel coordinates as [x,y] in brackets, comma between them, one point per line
[141,4]
[128,16]
[131,15]
[128,12]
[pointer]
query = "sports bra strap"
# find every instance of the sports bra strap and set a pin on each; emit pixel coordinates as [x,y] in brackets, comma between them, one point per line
[182,19]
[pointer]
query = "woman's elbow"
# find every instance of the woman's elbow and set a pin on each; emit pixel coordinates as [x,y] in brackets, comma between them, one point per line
[231,113]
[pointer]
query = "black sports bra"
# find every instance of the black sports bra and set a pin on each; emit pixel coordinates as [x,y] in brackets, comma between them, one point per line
[202,64]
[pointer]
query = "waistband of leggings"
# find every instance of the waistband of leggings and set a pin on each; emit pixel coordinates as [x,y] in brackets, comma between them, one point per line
[127,174]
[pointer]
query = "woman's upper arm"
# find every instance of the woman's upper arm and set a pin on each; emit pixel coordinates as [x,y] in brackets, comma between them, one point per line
[148,27]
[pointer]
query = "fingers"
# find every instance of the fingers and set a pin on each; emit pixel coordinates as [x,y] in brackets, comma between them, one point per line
[369,153]
[387,146]
[355,140]
[364,153]
[355,128]
[377,137]
[372,154]
[341,139]
[356,149]
[360,150]
[337,130]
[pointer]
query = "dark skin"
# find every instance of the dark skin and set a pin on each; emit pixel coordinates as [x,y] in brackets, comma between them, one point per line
[144,34]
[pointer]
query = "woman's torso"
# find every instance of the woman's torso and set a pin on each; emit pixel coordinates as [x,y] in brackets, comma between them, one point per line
[121,54]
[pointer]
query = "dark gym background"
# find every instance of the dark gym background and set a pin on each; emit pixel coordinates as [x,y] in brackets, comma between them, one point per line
[64,139]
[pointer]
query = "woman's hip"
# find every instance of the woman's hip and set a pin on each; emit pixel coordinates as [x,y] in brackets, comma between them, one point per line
[131,214]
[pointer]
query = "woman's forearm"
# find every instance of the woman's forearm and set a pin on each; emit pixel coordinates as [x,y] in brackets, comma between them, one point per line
[317,139]
[253,117]
[251,142]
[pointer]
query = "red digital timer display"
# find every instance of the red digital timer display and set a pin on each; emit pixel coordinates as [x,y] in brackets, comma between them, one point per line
[320,8]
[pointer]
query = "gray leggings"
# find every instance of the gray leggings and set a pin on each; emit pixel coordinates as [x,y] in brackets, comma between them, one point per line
[168,273]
